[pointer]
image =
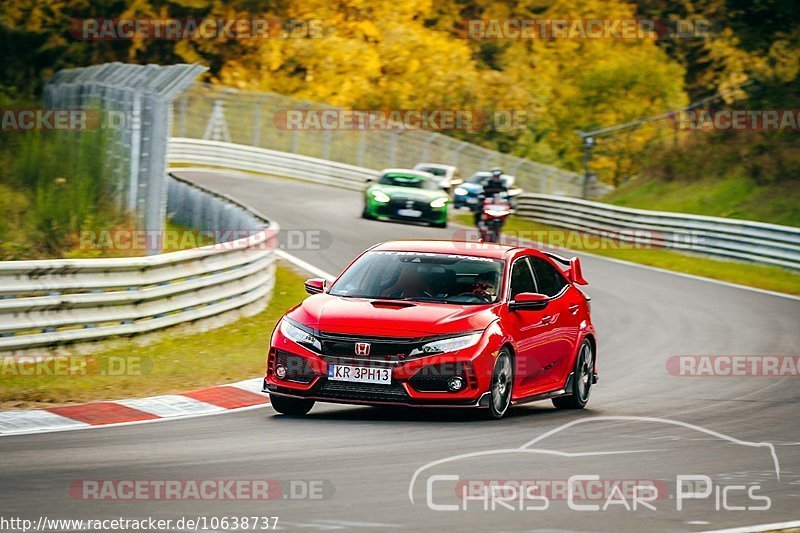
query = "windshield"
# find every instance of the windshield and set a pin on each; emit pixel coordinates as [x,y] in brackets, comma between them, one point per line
[418,276]
[408,180]
[479,177]
[436,171]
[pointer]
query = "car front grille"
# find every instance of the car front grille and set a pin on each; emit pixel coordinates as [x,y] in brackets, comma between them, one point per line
[391,208]
[367,392]
[337,348]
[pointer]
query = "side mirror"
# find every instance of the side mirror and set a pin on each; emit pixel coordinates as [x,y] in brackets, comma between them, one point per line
[529,301]
[315,285]
[575,273]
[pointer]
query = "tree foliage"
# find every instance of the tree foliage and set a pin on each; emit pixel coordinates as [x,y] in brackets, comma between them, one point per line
[413,54]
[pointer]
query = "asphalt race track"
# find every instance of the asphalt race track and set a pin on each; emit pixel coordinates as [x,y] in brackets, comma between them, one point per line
[366,457]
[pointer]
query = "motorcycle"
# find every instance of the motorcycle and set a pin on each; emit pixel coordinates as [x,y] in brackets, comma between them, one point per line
[494,212]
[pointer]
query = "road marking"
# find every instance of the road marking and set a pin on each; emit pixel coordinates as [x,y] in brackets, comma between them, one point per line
[308,267]
[760,528]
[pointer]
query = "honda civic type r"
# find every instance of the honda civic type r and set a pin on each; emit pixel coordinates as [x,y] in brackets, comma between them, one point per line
[438,324]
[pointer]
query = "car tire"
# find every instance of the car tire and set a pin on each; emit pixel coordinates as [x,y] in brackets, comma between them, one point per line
[439,224]
[502,385]
[582,382]
[290,406]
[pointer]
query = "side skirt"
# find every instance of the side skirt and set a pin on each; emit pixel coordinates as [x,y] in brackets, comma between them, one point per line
[565,391]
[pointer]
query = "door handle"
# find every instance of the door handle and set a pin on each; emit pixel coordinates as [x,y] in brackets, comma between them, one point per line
[574,309]
[546,319]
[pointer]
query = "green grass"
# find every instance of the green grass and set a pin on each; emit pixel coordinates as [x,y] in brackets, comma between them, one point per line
[175,362]
[730,197]
[752,275]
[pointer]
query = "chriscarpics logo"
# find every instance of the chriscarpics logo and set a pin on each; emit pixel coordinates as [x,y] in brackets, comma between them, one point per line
[606,464]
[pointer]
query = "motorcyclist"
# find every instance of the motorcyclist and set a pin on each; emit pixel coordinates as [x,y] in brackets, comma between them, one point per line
[494,185]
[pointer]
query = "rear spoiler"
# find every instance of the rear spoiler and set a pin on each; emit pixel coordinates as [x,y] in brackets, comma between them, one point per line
[574,272]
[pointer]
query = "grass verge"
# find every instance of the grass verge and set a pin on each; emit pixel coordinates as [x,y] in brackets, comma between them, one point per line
[730,197]
[752,275]
[176,362]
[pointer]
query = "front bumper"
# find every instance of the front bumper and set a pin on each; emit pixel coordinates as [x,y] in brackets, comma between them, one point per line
[394,210]
[358,396]
[420,382]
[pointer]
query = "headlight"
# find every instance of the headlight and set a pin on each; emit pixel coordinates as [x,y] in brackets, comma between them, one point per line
[461,191]
[299,336]
[439,202]
[449,345]
[380,196]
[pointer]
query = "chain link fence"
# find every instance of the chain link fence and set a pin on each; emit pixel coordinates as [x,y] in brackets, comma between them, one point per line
[133,102]
[255,119]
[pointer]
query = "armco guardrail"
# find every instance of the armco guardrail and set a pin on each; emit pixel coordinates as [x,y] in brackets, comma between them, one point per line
[264,161]
[734,239]
[52,302]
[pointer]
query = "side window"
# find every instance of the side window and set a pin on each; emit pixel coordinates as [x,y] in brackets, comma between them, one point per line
[550,281]
[521,279]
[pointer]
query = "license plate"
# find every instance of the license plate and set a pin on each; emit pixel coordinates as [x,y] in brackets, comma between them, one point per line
[472,200]
[360,374]
[409,213]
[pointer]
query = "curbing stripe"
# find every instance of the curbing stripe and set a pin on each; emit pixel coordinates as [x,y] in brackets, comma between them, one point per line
[102,413]
[227,397]
[170,405]
[250,385]
[36,420]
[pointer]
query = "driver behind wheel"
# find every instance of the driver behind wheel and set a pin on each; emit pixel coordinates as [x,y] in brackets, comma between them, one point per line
[485,286]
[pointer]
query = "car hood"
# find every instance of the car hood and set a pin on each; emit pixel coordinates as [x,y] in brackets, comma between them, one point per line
[409,193]
[334,314]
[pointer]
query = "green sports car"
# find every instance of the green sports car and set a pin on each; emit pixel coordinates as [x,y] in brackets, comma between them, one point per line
[403,194]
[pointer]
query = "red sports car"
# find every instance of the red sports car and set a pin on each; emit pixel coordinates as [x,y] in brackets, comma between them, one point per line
[438,324]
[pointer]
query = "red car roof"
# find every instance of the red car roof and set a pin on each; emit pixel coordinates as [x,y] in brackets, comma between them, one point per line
[494,251]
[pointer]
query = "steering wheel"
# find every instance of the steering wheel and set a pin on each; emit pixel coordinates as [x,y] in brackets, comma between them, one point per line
[477,293]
